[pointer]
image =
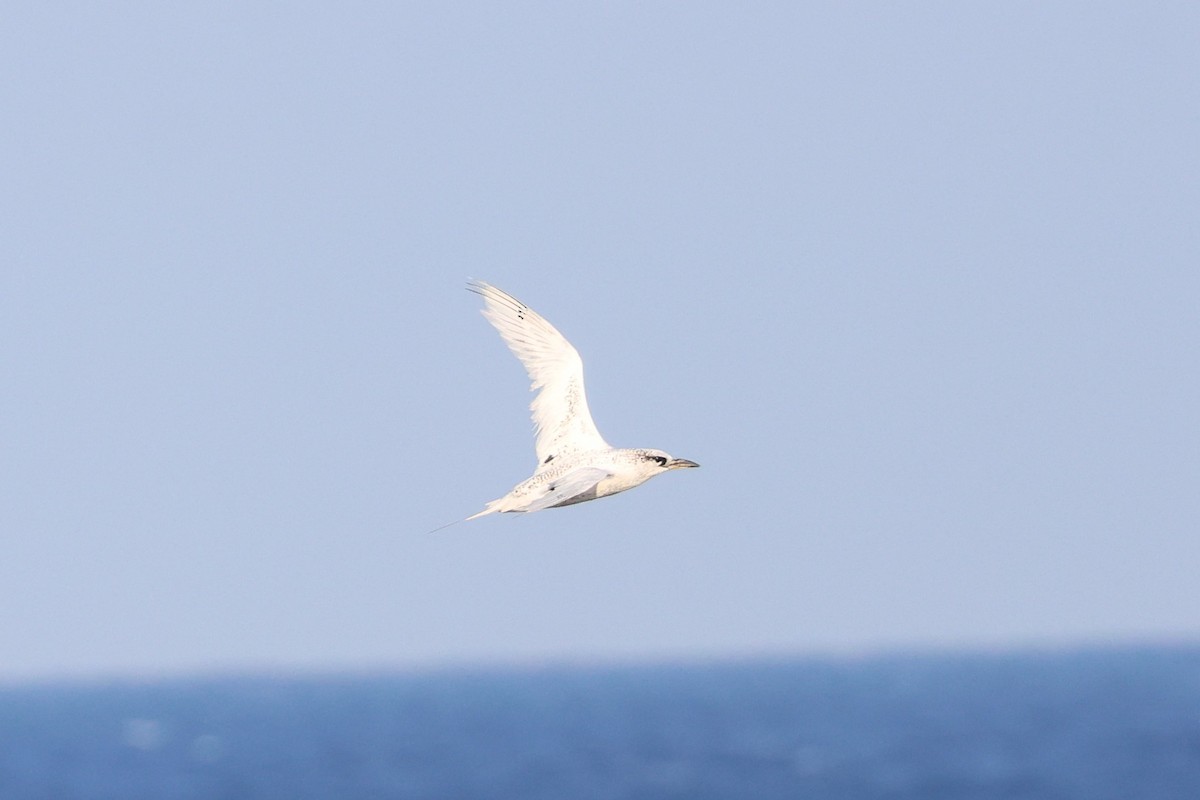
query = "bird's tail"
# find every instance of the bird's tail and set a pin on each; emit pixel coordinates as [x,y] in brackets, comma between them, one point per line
[492,508]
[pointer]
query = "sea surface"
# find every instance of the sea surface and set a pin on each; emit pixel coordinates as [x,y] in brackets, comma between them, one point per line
[1065,725]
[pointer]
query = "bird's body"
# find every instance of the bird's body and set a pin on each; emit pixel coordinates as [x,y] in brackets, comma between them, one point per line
[575,464]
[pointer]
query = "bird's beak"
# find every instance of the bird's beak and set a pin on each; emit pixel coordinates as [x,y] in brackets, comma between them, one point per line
[680,463]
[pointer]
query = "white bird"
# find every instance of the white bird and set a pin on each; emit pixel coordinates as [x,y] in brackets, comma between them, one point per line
[574,463]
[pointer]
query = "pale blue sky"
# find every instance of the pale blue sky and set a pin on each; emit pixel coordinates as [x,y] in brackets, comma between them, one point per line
[918,285]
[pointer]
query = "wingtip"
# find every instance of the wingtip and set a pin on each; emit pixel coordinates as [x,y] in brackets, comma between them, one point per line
[494,297]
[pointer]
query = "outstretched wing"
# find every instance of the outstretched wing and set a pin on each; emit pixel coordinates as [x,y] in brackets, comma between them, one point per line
[561,417]
[576,486]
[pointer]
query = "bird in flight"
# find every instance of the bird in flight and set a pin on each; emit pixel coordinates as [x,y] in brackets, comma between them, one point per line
[574,463]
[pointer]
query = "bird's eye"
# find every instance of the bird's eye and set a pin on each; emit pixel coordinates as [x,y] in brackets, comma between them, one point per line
[662,461]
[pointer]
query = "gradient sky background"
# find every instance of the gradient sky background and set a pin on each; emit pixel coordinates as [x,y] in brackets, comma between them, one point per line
[917,284]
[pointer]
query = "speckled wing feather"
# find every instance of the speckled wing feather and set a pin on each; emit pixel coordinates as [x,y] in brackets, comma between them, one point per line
[561,418]
[574,487]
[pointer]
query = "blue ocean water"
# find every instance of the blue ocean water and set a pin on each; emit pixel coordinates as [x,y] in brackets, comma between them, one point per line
[1087,725]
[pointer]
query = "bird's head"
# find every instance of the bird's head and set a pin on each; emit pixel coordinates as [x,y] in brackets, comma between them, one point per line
[659,460]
